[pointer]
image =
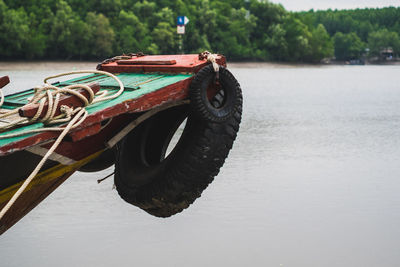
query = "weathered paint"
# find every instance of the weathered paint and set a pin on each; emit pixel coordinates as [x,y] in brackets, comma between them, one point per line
[45,176]
[140,61]
[170,87]
[27,201]
[184,64]
[4,81]
[143,92]
[40,187]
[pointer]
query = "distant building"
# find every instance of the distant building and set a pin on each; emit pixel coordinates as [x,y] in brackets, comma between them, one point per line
[386,54]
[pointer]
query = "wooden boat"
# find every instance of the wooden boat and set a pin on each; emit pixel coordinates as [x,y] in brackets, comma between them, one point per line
[132,131]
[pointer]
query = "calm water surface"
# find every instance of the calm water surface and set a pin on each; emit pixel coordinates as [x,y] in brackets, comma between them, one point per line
[313,180]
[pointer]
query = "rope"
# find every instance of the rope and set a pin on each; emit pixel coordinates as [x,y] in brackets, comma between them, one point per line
[210,58]
[51,95]
[1,97]
[101,97]
[40,165]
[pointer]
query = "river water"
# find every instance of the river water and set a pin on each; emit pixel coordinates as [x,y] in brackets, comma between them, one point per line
[312,180]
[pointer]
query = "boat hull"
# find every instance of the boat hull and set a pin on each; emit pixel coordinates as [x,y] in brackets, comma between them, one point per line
[148,88]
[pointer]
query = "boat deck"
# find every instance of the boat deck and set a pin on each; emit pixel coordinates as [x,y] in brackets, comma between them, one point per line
[152,83]
[157,87]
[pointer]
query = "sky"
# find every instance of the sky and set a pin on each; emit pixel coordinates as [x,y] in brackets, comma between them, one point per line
[298,5]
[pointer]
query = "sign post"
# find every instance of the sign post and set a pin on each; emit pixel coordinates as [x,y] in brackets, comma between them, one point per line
[180,30]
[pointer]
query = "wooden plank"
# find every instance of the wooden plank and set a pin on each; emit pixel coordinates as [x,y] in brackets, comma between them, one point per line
[4,81]
[86,132]
[184,64]
[73,101]
[151,94]
[130,80]
[146,62]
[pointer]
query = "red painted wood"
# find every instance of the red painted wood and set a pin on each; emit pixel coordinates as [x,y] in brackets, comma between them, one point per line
[184,64]
[146,62]
[69,100]
[30,199]
[4,81]
[85,132]
[173,92]
[89,138]
[92,144]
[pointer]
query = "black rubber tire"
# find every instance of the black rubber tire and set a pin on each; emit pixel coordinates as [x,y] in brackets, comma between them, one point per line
[166,186]
[222,106]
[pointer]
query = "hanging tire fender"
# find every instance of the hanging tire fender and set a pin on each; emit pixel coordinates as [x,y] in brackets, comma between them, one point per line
[163,185]
[228,96]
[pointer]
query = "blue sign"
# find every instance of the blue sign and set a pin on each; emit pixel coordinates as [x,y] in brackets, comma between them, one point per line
[182,20]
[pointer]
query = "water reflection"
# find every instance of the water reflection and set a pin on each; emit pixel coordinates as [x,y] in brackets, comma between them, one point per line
[312,181]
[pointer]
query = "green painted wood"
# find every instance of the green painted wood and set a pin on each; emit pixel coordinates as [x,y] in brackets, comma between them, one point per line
[18,99]
[130,80]
[137,85]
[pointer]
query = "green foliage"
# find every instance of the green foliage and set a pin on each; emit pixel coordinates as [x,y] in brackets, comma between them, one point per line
[101,35]
[240,29]
[383,39]
[322,45]
[132,35]
[14,31]
[298,38]
[360,21]
[66,31]
[348,46]
[355,30]
[164,38]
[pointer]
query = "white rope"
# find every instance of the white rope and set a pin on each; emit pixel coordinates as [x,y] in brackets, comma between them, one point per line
[1,97]
[101,97]
[210,58]
[41,163]
[51,95]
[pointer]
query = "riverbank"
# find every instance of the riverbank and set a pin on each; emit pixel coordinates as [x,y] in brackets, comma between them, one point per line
[75,65]
[46,65]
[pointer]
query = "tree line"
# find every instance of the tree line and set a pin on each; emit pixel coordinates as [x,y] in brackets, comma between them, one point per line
[239,29]
[358,32]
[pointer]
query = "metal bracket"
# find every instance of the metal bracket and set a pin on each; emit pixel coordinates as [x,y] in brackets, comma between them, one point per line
[119,136]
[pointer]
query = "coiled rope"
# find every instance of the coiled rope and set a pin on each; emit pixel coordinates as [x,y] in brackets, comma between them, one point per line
[51,95]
